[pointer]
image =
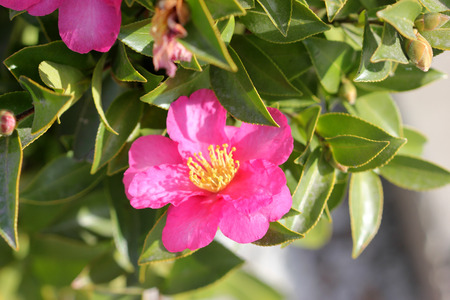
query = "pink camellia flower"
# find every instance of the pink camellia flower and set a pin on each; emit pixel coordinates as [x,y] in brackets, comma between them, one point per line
[213,175]
[84,25]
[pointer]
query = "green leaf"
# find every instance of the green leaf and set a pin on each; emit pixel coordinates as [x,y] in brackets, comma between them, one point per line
[62,179]
[148,4]
[436,5]
[184,83]
[26,61]
[405,78]
[124,114]
[337,124]
[226,28]
[246,4]
[379,109]
[317,237]
[154,250]
[237,94]
[48,105]
[152,80]
[279,12]
[304,23]
[415,142]
[333,8]
[204,267]
[278,234]
[221,9]
[122,67]
[97,78]
[352,151]
[137,37]
[390,47]
[438,38]
[330,60]
[17,102]
[204,39]
[339,190]
[369,71]
[265,75]
[401,15]
[414,173]
[10,166]
[366,208]
[311,194]
[307,121]
[119,162]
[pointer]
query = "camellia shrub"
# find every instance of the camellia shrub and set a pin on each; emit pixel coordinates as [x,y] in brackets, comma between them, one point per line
[132,131]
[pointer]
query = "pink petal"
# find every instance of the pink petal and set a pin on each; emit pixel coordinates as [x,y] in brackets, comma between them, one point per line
[280,205]
[18,4]
[191,225]
[86,25]
[44,7]
[159,185]
[242,227]
[153,150]
[197,122]
[168,51]
[266,142]
[254,186]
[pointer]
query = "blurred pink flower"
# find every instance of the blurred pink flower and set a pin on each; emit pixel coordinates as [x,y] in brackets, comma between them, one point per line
[212,175]
[84,25]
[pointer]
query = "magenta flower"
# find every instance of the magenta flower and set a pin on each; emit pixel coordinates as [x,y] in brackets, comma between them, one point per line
[84,25]
[212,175]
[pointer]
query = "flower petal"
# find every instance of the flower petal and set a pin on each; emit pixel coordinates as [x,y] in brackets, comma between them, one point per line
[280,205]
[197,122]
[86,25]
[192,225]
[254,185]
[266,142]
[159,185]
[18,5]
[242,227]
[44,7]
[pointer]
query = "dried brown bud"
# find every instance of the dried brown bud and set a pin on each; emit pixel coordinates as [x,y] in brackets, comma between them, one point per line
[348,91]
[419,52]
[7,122]
[430,21]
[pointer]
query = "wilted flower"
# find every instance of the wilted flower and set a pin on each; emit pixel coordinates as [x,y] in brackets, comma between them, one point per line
[419,52]
[167,26]
[84,25]
[212,175]
[7,122]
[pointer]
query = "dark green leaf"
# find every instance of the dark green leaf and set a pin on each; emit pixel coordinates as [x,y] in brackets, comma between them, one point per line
[237,94]
[247,4]
[221,9]
[10,166]
[390,47]
[119,162]
[226,28]
[278,234]
[122,67]
[339,190]
[137,37]
[414,173]
[366,208]
[152,80]
[415,142]
[438,38]
[401,15]
[17,102]
[148,4]
[304,23]
[333,8]
[307,121]
[279,12]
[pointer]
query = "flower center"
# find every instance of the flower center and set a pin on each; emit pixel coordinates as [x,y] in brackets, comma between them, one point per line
[213,176]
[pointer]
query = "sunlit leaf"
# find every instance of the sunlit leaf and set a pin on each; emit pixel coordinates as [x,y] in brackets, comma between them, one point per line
[401,15]
[390,47]
[333,8]
[277,234]
[415,142]
[122,67]
[137,37]
[438,38]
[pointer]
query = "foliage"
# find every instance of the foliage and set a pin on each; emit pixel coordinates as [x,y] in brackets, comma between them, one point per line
[328,65]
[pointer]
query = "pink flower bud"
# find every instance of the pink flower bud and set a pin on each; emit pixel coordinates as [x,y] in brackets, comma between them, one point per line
[7,122]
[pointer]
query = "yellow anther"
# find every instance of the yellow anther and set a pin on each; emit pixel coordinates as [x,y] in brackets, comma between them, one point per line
[216,174]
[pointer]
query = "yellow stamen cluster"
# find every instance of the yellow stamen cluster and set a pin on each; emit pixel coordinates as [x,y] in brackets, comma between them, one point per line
[216,174]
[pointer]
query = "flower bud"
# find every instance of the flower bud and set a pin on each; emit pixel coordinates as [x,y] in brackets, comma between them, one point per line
[348,91]
[7,122]
[431,21]
[419,52]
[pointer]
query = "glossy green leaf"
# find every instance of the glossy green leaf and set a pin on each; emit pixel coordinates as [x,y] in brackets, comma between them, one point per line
[339,190]
[333,8]
[414,173]
[62,179]
[26,61]
[405,78]
[17,102]
[278,234]
[401,15]
[97,80]
[122,67]
[203,38]
[237,94]
[366,208]
[154,250]
[48,105]
[304,23]
[369,71]
[306,122]
[415,142]
[330,59]
[279,12]
[152,80]
[10,166]
[390,47]
[226,28]
[337,124]
[184,83]
[124,114]
[352,151]
[221,9]
[438,38]
[311,194]
[265,75]
[137,37]
[380,110]
[436,5]
[202,268]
